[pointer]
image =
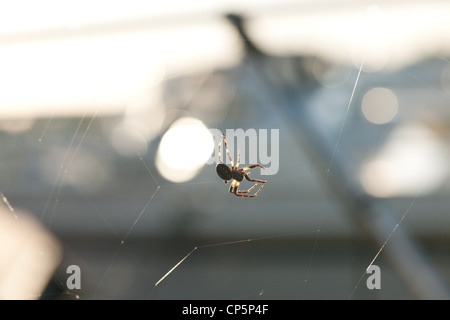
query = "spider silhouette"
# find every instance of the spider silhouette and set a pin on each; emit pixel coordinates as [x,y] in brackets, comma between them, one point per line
[237,175]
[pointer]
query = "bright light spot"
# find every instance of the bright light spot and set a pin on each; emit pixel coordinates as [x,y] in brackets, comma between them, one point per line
[184,150]
[29,256]
[375,55]
[76,76]
[370,44]
[373,174]
[380,105]
[411,163]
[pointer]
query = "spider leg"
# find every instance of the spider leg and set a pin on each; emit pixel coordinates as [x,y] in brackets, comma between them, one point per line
[226,147]
[246,176]
[262,182]
[254,166]
[220,143]
[246,191]
[243,193]
[239,160]
[233,183]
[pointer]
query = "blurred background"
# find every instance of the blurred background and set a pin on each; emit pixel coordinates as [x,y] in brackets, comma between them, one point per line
[105,108]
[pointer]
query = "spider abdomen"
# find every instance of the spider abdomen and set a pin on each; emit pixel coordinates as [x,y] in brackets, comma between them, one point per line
[224,172]
[238,176]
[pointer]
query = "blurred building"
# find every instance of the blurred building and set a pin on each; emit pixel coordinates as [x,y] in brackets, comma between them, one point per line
[105,119]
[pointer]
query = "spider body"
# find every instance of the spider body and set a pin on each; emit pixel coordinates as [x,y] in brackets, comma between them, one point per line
[224,172]
[237,175]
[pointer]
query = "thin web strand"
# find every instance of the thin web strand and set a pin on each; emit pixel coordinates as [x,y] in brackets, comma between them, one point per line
[226,244]
[385,243]
[328,171]
[58,179]
[44,132]
[133,225]
[344,121]
[70,161]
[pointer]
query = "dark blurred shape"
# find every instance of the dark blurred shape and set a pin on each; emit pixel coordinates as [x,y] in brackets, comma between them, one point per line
[238,22]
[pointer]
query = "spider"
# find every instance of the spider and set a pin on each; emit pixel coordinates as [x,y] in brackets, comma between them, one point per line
[226,174]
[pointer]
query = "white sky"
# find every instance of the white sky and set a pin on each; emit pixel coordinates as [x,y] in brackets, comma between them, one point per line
[54,61]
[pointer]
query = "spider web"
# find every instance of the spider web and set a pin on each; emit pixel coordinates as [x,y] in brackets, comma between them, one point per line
[203,245]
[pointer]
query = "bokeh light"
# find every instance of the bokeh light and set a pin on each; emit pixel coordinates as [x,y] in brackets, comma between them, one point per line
[380,105]
[28,257]
[184,150]
[410,163]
